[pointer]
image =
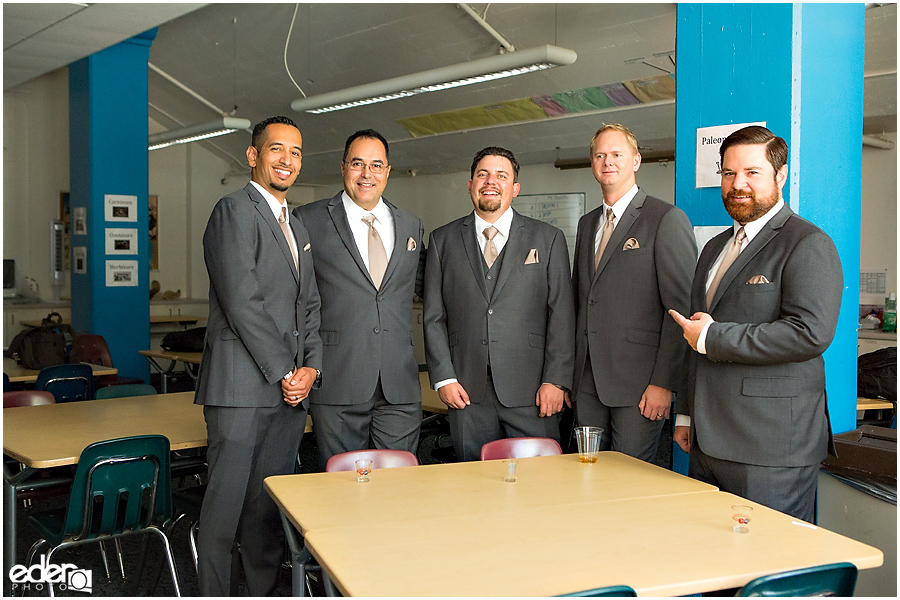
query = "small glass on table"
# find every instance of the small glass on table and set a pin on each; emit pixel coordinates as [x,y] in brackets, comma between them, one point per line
[741,514]
[588,439]
[363,468]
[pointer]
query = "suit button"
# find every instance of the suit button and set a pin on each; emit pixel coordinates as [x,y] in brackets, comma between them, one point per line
[592,302]
[376,330]
[490,276]
[490,311]
[484,342]
[296,334]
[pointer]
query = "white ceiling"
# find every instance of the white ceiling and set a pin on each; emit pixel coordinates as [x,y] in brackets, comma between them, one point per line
[233,56]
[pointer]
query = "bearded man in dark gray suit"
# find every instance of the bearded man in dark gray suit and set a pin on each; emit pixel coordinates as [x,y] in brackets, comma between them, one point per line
[367,276]
[634,258]
[499,319]
[765,302]
[261,356]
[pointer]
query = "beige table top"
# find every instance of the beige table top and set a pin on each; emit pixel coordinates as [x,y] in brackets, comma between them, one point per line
[153,319]
[55,434]
[660,546]
[872,404]
[186,357]
[19,374]
[318,500]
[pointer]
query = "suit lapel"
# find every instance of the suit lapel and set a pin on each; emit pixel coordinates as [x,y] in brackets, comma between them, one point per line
[400,237]
[342,225]
[263,208]
[615,241]
[513,253]
[468,233]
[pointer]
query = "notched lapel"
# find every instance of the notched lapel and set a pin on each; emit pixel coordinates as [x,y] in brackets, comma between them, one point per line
[342,225]
[473,252]
[514,255]
[265,212]
[620,233]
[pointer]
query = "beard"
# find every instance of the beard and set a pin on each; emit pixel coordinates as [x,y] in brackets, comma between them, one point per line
[751,210]
[489,204]
[279,187]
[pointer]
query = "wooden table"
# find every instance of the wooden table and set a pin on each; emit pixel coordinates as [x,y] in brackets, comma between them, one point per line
[19,374]
[562,527]
[191,362]
[55,435]
[182,320]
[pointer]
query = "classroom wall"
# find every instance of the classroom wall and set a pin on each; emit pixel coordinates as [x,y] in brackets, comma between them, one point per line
[878,239]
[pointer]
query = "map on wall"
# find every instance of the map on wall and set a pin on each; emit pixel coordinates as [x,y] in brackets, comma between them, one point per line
[559,210]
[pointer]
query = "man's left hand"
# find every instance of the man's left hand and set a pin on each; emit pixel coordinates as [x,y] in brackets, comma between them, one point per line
[296,388]
[550,399]
[655,402]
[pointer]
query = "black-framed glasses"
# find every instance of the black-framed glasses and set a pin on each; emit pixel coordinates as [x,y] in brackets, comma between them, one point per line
[358,165]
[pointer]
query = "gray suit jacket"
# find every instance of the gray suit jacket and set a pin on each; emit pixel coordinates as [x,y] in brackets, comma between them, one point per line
[622,306]
[263,315]
[526,326]
[366,332]
[758,395]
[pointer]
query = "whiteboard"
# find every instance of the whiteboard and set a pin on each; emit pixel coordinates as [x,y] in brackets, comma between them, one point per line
[559,210]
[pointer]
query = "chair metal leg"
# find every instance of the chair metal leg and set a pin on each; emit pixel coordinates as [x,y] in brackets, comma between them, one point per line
[105,561]
[330,590]
[195,531]
[119,553]
[169,556]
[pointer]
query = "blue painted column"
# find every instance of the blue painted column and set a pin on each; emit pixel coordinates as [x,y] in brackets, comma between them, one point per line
[798,68]
[108,157]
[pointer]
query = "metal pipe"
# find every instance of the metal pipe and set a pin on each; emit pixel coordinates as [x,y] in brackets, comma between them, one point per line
[478,19]
[218,110]
[876,142]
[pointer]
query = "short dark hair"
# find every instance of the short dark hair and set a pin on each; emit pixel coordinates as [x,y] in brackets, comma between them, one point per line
[496,151]
[776,148]
[367,134]
[260,128]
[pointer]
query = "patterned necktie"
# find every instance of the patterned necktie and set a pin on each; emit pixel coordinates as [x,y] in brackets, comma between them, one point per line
[729,258]
[604,239]
[377,256]
[282,220]
[490,248]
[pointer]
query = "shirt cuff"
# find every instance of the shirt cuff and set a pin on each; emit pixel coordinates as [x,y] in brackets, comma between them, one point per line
[701,341]
[682,420]
[441,384]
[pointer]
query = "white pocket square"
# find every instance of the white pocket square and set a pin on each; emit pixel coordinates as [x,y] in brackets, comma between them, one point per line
[307,247]
[410,244]
[532,257]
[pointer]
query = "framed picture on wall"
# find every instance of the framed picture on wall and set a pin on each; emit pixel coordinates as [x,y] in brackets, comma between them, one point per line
[154,233]
[65,215]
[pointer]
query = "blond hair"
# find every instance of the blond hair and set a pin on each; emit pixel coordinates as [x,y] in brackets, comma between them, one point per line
[632,141]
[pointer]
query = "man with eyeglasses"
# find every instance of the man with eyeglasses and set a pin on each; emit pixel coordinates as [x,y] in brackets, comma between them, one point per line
[369,263]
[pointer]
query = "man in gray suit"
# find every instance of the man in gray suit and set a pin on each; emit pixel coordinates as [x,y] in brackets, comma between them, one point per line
[499,318]
[765,302]
[261,356]
[367,276]
[634,258]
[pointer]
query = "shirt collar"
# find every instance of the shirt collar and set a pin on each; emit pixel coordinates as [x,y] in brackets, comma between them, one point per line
[502,224]
[754,227]
[273,202]
[355,211]
[621,206]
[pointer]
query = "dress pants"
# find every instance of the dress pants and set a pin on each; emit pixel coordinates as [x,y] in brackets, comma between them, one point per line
[486,420]
[246,445]
[349,427]
[791,490]
[625,429]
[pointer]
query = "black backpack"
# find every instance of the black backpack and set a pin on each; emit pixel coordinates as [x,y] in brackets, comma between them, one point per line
[44,346]
[189,340]
[876,375]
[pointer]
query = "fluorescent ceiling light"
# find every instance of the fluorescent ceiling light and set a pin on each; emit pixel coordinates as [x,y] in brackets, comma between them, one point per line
[220,126]
[442,78]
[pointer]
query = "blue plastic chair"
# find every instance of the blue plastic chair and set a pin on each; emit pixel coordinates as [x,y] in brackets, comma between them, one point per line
[838,579]
[125,391]
[610,591]
[7,386]
[122,487]
[68,383]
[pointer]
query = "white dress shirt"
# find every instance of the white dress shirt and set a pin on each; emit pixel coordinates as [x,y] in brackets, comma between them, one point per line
[276,207]
[384,225]
[618,209]
[502,224]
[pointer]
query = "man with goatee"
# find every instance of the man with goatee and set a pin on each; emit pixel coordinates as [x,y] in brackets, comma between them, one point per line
[765,302]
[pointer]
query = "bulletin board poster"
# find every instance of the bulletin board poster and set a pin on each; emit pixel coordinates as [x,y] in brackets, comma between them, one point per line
[560,210]
[121,273]
[80,256]
[121,241]
[709,139]
[120,208]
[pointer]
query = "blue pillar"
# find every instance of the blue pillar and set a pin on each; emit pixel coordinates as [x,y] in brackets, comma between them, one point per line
[799,68]
[108,157]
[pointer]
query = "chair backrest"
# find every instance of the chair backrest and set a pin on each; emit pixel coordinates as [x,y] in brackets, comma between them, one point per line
[92,349]
[522,447]
[610,591]
[838,579]
[381,459]
[27,398]
[6,385]
[125,391]
[68,383]
[120,485]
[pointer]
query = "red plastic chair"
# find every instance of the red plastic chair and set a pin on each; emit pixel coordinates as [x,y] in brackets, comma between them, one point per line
[92,349]
[381,459]
[27,398]
[522,447]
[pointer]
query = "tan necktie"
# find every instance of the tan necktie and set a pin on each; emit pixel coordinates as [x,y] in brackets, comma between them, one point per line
[282,220]
[607,233]
[377,256]
[729,258]
[490,248]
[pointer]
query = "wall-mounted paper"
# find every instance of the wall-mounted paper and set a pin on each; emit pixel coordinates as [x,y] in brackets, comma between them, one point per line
[121,241]
[708,141]
[121,273]
[120,208]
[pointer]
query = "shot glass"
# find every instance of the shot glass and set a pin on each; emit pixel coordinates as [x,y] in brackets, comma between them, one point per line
[741,514]
[588,439]
[509,470]
[363,468]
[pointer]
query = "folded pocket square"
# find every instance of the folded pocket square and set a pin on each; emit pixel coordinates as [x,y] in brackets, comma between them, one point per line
[757,279]
[307,247]
[631,244]
[410,244]
[532,257]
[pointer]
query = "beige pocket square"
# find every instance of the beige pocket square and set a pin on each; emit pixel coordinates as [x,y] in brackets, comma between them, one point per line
[410,244]
[532,257]
[631,244]
[307,247]
[757,279]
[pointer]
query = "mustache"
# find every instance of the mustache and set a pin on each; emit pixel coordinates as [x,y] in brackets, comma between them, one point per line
[735,193]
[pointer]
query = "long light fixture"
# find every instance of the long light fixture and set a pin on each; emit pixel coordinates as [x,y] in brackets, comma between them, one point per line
[442,78]
[220,126]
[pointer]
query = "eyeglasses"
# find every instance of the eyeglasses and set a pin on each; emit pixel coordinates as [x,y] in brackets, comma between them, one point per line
[375,168]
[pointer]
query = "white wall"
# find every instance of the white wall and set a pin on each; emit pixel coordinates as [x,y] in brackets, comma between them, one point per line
[878,227]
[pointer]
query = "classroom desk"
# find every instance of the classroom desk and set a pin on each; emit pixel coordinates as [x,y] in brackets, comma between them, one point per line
[182,320]
[873,404]
[55,435]
[19,374]
[190,360]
